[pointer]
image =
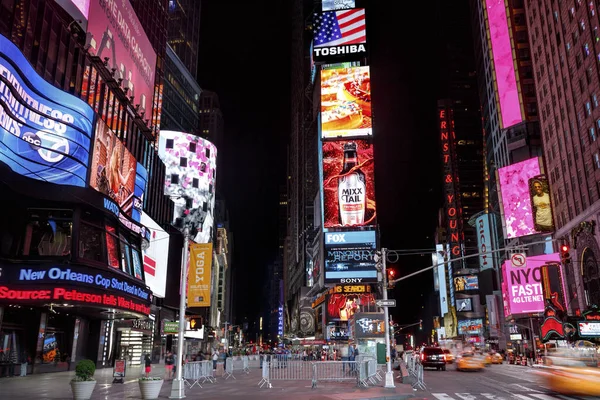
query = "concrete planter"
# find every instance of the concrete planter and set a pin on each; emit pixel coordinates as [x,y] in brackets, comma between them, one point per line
[82,390]
[150,389]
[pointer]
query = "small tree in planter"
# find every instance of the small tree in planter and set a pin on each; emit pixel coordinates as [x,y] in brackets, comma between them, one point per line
[83,383]
[150,387]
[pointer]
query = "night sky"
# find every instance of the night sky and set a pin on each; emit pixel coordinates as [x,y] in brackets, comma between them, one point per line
[245,59]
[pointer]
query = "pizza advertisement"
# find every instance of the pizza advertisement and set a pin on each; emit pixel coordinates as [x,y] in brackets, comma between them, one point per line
[346,103]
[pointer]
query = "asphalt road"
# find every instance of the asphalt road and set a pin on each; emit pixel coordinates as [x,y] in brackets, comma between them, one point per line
[496,382]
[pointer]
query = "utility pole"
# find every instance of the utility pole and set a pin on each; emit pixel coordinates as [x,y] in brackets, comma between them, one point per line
[178,386]
[389,375]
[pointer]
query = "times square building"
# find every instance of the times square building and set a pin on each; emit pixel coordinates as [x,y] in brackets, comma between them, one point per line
[81,185]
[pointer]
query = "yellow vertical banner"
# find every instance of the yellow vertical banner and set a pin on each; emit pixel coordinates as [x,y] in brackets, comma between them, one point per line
[199,274]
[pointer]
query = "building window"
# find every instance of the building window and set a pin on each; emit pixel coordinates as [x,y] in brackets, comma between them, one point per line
[588,108]
[592,134]
[595,100]
[586,50]
[596,161]
[48,233]
[582,25]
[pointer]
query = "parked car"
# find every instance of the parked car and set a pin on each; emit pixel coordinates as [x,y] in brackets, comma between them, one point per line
[448,356]
[433,357]
[469,362]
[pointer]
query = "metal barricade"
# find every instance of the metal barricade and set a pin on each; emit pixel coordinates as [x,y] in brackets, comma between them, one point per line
[192,373]
[207,371]
[337,371]
[246,364]
[315,371]
[229,370]
[419,377]
[266,379]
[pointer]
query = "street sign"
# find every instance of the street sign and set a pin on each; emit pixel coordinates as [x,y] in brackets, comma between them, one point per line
[386,303]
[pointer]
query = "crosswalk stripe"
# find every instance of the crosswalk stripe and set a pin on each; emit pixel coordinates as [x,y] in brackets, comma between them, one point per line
[562,396]
[492,396]
[441,396]
[543,397]
[522,397]
[466,396]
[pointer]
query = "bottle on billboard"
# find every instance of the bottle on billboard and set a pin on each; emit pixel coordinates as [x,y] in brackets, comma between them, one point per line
[352,189]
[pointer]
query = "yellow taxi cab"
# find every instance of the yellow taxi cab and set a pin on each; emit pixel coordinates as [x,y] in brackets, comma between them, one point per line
[469,362]
[487,359]
[448,356]
[571,377]
[497,358]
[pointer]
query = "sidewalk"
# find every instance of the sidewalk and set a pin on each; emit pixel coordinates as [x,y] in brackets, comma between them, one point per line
[245,386]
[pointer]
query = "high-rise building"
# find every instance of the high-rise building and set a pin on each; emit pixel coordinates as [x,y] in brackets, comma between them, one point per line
[564,38]
[184,32]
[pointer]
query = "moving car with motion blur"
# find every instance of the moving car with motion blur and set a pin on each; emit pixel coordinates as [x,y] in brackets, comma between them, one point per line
[448,356]
[469,361]
[569,376]
[487,359]
[433,357]
[497,358]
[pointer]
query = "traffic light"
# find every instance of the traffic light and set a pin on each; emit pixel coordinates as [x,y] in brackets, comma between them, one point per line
[421,325]
[565,256]
[195,323]
[391,275]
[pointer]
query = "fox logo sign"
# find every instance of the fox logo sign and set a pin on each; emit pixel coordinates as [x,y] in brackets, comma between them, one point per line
[335,238]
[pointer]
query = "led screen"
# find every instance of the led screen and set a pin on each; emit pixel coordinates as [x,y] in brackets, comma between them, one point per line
[337,4]
[441,270]
[346,102]
[341,307]
[508,94]
[191,165]
[348,184]
[522,286]
[465,283]
[516,198]
[45,133]
[589,329]
[470,326]
[349,257]
[369,325]
[339,34]
[113,168]
[78,9]
[541,208]
[464,305]
[484,242]
[155,257]
[115,33]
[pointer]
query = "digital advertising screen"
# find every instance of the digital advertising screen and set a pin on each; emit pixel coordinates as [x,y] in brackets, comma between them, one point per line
[346,102]
[516,203]
[369,325]
[484,242]
[337,4]
[141,181]
[115,32]
[589,329]
[541,207]
[339,35]
[470,326]
[77,9]
[464,305]
[465,283]
[349,257]
[45,133]
[348,184]
[199,275]
[113,168]
[155,257]
[523,284]
[504,64]
[341,307]
[191,172]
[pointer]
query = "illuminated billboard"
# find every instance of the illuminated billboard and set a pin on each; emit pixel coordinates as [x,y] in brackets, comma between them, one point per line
[465,283]
[516,202]
[113,169]
[339,34]
[77,9]
[115,33]
[191,170]
[341,307]
[522,283]
[504,65]
[155,257]
[369,325]
[349,257]
[441,271]
[464,305]
[484,242]
[337,4]
[470,326]
[346,102]
[199,275]
[348,184]
[541,208]
[45,133]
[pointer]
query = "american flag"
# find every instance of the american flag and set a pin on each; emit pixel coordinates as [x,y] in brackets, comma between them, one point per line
[334,28]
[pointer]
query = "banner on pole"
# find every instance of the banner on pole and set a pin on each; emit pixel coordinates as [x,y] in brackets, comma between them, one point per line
[199,275]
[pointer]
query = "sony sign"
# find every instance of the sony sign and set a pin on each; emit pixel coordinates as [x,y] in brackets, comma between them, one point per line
[484,242]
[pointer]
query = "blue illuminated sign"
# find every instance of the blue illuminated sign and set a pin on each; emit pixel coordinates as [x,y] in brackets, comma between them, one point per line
[141,179]
[45,133]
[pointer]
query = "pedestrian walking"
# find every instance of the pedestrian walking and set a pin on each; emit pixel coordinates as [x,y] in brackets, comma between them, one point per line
[215,357]
[169,364]
[148,364]
[351,357]
[344,355]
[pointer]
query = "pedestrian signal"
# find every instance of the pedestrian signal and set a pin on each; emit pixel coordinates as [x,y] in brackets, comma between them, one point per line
[195,323]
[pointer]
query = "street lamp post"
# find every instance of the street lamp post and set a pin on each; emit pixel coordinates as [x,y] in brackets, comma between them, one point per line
[389,375]
[178,386]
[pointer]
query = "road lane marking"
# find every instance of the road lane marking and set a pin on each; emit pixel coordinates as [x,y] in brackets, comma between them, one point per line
[466,396]
[525,388]
[562,396]
[522,397]
[492,396]
[442,396]
[543,397]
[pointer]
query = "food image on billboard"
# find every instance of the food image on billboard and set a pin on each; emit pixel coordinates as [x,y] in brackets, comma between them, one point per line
[541,208]
[470,326]
[516,204]
[45,133]
[115,32]
[191,171]
[523,285]
[349,256]
[113,168]
[155,257]
[341,307]
[346,102]
[339,35]
[464,305]
[466,282]
[348,184]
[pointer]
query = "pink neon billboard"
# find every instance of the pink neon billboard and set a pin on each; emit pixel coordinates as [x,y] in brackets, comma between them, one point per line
[522,285]
[516,198]
[508,95]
